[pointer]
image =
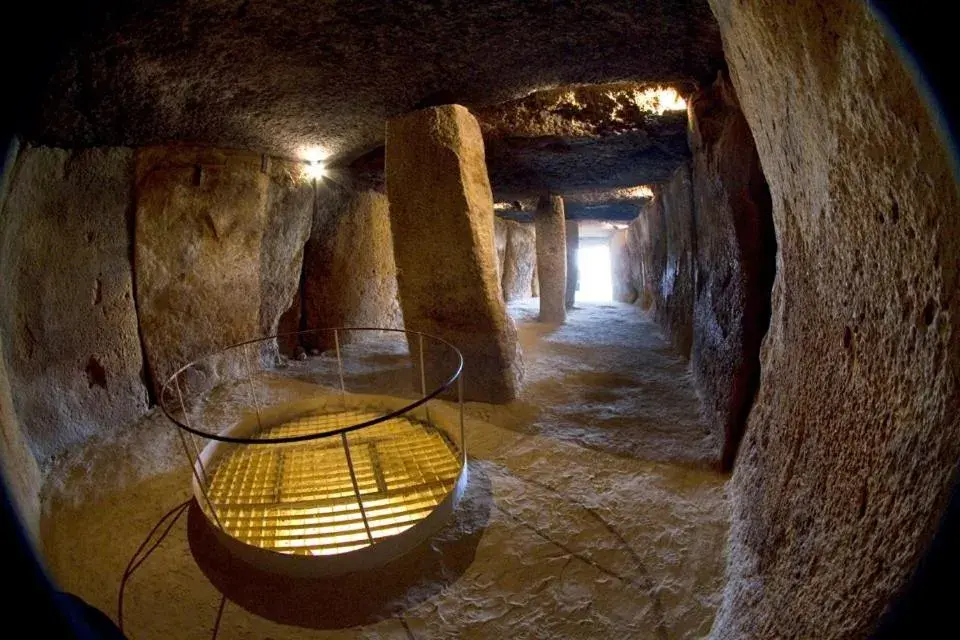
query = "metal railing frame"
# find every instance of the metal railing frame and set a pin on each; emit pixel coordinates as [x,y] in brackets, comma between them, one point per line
[187,427]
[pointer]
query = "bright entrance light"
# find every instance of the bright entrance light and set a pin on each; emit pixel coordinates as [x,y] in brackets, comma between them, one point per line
[596,280]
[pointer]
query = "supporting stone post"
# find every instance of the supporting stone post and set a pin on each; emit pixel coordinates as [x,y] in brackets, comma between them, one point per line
[573,270]
[441,214]
[551,259]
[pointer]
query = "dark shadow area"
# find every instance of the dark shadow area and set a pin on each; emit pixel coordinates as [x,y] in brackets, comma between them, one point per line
[354,599]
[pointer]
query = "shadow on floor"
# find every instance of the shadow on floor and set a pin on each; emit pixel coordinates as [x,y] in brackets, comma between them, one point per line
[362,598]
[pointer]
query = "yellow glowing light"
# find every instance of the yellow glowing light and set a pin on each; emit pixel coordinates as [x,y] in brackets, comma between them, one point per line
[659,100]
[641,191]
[299,498]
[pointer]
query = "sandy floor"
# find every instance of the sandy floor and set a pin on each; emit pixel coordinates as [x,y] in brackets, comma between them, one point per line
[592,512]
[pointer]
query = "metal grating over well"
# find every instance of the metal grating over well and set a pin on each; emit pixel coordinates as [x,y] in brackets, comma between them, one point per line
[299,498]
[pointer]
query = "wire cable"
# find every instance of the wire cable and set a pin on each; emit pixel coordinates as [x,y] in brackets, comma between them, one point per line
[173,516]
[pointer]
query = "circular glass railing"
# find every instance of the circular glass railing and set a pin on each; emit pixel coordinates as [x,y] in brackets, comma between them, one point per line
[326,450]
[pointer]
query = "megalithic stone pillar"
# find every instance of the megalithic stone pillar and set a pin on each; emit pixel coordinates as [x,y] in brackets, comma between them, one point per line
[573,270]
[441,215]
[551,258]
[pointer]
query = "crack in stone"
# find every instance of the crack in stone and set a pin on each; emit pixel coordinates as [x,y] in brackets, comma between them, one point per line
[660,624]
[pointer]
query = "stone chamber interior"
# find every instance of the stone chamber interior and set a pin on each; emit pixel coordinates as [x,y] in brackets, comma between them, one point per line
[747,426]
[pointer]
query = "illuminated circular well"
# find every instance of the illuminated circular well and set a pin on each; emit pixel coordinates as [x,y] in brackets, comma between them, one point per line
[298,498]
[328,464]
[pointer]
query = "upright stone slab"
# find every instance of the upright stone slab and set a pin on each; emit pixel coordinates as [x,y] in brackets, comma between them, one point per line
[573,271]
[551,259]
[519,262]
[441,215]
[66,300]
[350,278]
[200,225]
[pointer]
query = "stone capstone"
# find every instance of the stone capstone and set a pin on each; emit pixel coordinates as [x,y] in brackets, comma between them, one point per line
[441,214]
[282,77]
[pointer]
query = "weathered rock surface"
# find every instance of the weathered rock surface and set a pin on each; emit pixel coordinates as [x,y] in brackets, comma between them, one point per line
[674,298]
[18,467]
[854,437]
[623,262]
[572,232]
[657,263]
[201,216]
[70,327]
[519,261]
[736,262]
[261,75]
[351,277]
[441,214]
[551,258]
[288,223]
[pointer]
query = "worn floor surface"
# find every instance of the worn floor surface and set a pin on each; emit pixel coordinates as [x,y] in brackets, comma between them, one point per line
[593,512]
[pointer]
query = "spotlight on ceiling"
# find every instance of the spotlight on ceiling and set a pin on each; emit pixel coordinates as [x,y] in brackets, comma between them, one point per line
[315,170]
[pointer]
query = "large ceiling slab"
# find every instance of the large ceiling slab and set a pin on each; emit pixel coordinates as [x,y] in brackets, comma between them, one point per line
[290,76]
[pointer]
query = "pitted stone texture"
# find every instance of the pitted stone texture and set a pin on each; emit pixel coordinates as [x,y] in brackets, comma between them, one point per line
[854,437]
[288,223]
[573,272]
[657,261]
[551,259]
[520,261]
[441,213]
[201,216]
[736,262]
[280,76]
[673,299]
[69,322]
[18,468]
[351,277]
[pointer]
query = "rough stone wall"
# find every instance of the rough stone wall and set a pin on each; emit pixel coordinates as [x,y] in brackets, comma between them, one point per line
[68,318]
[675,295]
[854,437]
[288,224]
[441,214]
[658,259]
[351,276]
[519,261]
[219,246]
[18,467]
[200,222]
[736,261]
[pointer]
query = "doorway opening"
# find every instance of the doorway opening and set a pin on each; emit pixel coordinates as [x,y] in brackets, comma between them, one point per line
[596,279]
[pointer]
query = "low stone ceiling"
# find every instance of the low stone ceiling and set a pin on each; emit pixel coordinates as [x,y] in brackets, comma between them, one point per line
[594,145]
[611,205]
[586,138]
[284,76]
